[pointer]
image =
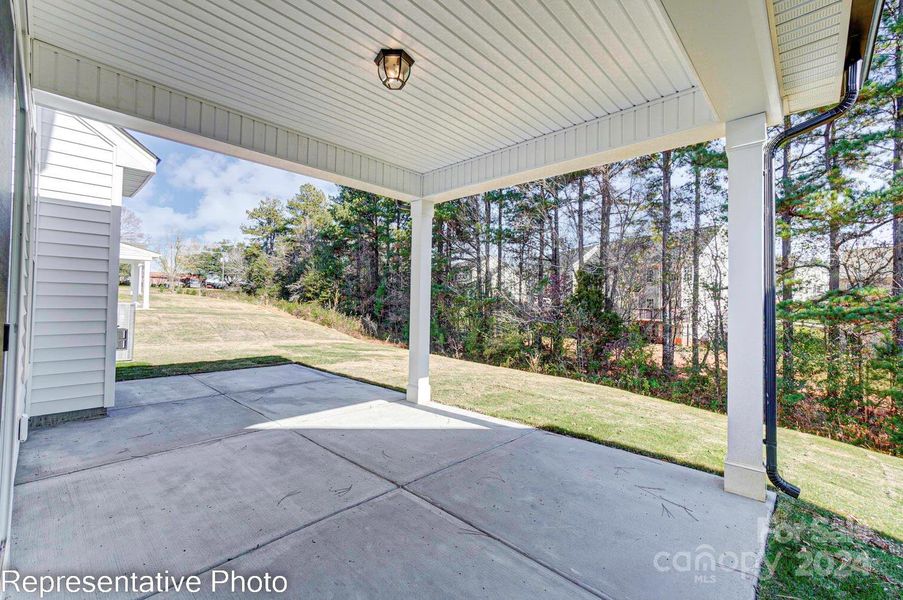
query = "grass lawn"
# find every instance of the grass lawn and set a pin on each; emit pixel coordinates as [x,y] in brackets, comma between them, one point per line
[188,334]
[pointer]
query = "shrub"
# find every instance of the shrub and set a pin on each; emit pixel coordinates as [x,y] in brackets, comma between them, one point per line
[509,348]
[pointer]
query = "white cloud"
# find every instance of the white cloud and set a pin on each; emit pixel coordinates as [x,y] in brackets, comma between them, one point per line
[206,195]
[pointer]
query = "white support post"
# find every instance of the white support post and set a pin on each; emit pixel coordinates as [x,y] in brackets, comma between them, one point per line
[133,280]
[744,472]
[146,284]
[421,282]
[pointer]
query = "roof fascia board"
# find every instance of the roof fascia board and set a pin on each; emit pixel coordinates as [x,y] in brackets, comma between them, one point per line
[762,19]
[132,155]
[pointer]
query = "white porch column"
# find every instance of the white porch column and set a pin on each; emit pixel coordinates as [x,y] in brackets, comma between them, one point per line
[421,282]
[744,472]
[145,284]
[133,280]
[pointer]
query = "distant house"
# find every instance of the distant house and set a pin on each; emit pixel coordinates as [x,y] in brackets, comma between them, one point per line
[158,278]
[637,277]
[638,289]
[865,266]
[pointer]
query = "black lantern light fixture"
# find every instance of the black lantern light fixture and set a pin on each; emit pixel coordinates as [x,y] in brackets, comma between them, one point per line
[393,67]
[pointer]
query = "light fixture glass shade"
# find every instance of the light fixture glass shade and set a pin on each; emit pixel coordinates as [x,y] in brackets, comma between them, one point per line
[393,67]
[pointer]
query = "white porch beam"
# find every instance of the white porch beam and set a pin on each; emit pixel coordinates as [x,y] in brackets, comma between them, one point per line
[677,120]
[744,473]
[75,84]
[421,284]
[730,45]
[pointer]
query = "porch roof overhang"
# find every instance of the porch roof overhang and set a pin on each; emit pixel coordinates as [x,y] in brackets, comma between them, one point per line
[129,253]
[502,92]
[139,165]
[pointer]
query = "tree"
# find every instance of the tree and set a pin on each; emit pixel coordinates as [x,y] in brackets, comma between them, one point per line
[223,262]
[131,229]
[232,258]
[603,177]
[699,158]
[307,215]
[259,271]
[660,168]
[884,94]
[172,258]
[598,327]
[267,223]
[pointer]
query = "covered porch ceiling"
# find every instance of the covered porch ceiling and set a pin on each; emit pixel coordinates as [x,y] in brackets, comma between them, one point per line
[502,92]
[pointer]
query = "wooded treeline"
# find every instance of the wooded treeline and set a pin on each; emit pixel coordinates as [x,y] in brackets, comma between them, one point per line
[618,275]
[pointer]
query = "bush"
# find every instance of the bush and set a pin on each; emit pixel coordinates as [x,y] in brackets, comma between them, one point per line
[596,326]
[312,286]
[508,349]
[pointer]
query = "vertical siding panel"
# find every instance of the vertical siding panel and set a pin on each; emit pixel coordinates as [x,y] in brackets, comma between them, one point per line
[161,105]
[220,124]
[269,140]
[247,132]
[207,120]
[179,111]
[192,115]
[67,72]
[87,80]
[125,97]
[144,100]
[108,86]
[685,111]
[234,129]
[260,137]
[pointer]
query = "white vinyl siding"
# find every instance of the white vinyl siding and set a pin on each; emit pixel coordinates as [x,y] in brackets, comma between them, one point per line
[75,239]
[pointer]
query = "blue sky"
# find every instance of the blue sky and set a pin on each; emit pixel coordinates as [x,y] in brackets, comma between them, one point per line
[205,195]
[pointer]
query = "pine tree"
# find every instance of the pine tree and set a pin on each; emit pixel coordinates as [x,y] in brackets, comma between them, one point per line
[266,224]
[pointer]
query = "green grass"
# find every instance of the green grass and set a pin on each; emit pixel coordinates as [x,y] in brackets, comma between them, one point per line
[813,554]
[854,484]
[143,370]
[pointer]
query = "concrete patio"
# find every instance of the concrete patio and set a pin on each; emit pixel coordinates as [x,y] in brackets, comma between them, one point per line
[349,491]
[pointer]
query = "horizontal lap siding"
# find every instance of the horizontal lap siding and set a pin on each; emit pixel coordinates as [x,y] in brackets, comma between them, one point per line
[72,283]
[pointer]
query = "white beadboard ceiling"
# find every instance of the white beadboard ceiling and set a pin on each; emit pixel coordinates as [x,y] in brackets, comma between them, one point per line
[489,74]
[811,39]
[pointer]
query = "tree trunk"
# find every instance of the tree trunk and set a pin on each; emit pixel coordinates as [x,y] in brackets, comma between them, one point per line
[487,241]
[694,301]
[498,249]
[478,246]
[667,316]
[555,277]
[605,234]
[439,304]
[832,332]
[374,263]
[786,212]
[580,182]
[520,274]
[716,354]
[833,227]
[540,292]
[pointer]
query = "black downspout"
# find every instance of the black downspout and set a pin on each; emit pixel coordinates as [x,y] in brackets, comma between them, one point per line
[852,86]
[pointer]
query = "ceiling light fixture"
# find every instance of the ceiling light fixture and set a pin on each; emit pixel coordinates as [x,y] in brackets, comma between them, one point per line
[393,67]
